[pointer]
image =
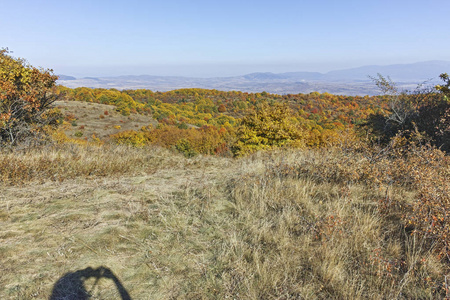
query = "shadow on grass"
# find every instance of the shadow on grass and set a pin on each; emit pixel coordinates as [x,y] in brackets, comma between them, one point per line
[71,286]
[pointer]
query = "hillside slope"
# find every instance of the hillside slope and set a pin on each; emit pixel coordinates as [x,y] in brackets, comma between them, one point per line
[85,119]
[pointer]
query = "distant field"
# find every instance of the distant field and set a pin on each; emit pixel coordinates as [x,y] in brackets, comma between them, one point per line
[99,119]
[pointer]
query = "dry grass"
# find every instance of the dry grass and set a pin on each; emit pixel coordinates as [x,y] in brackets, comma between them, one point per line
[100,120]
[264,227]
[58,163]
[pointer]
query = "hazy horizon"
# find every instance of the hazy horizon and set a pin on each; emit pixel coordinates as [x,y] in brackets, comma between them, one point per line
[217,39]
[208,72]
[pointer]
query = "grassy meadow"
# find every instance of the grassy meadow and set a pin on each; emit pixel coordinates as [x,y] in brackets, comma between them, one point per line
[291,224]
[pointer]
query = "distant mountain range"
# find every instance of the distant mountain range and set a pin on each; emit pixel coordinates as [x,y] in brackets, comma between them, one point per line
[353,81]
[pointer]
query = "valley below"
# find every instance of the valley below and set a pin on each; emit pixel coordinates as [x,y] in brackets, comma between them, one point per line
[351,82]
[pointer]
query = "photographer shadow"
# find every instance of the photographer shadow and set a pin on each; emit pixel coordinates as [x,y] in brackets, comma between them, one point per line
[72,285]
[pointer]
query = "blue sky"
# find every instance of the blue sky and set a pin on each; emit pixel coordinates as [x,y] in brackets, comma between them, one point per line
[221,38]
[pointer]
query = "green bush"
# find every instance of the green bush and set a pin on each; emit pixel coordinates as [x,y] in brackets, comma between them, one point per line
[185,147]
[425,111]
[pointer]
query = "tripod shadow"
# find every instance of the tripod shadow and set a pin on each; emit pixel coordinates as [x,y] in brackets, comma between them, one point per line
[71,286]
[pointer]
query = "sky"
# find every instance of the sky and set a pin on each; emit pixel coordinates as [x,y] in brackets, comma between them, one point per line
[222,38]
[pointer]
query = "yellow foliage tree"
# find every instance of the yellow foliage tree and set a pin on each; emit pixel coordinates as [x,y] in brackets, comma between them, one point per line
[270,126]
[26,94]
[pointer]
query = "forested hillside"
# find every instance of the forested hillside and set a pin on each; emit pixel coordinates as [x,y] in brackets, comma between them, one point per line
[192,116]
